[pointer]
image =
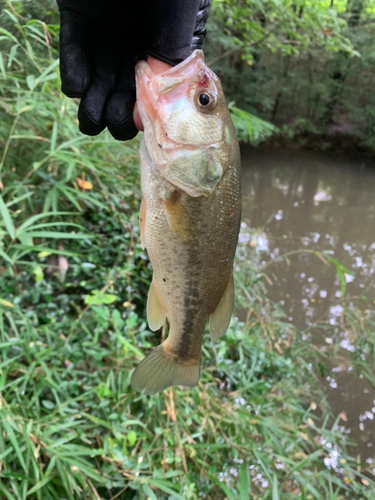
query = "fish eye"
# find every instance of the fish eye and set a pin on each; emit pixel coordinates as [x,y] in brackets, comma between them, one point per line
[206,100]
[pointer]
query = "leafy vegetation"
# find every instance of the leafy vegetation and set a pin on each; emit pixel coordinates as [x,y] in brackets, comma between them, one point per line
[73,282]
[306,67]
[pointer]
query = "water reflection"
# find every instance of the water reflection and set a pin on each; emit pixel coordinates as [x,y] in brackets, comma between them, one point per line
[307,202]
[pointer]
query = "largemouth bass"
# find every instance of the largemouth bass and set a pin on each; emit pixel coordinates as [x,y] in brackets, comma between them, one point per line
[189,217]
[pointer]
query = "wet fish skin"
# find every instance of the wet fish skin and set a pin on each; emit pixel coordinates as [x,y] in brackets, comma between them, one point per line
[190,217]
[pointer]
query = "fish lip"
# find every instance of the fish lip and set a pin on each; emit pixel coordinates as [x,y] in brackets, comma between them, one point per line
[143,66]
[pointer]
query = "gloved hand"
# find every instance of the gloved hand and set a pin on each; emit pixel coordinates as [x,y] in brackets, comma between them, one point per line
[100,42]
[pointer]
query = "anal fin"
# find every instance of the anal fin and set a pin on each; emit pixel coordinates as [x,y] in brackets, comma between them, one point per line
[156,313]
[220,318]
[178,218]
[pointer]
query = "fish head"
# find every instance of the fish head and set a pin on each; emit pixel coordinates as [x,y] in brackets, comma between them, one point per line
[187,125]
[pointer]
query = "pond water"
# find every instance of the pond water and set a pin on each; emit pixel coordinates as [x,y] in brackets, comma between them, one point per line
[311,201]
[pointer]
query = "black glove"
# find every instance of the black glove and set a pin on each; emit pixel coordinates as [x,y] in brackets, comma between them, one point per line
[100,42]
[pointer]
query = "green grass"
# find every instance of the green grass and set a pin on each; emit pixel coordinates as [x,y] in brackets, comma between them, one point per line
[70,425]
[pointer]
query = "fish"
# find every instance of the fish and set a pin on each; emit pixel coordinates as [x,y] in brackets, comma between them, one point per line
[189,217]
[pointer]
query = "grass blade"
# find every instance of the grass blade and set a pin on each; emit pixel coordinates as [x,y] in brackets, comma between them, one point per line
[245,486]
[6,257]
[58,235]
[30,221]
[226,490]
[7,219]
[167,487]
[148,492]
[9,430]
[275,489]
[6,493]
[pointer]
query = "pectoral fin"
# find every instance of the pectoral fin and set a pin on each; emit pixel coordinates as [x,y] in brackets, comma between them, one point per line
[156,313]
[220,318]
[142,223]
[178,218]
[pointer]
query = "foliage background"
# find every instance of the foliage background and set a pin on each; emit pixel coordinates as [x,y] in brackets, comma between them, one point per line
[307,67]
[73,282]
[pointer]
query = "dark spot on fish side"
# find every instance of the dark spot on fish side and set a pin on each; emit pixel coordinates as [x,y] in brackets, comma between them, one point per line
[164,280]
[160,146]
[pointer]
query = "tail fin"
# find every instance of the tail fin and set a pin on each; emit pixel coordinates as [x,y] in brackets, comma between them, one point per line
[161,369]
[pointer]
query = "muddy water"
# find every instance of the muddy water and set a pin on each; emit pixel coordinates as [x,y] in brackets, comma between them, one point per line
[307,201]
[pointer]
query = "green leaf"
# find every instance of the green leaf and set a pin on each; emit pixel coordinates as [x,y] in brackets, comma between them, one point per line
[47,73]
[46,479]
[167,487]
[30,221]
[275,489]
[226,490]
[304,463]
[104,391]
[6,257]
[98,298]
[7,219]
[38,273]
[13,201]
[30,80]
[132,437]
[58,235]
[9,430]
[249,127]
[245,486]
[9,35]
[26,240]
[53,136]
[340,270]
[7,493]
[148,492]
[37,248]
[2,67]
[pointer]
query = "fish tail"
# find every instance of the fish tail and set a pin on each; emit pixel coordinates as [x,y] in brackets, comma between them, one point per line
[163,368]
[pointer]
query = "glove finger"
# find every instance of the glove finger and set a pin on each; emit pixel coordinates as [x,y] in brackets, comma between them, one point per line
[200,30]
[119,115]
[91,112]
[119,109]
[172,29]
[74,54]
